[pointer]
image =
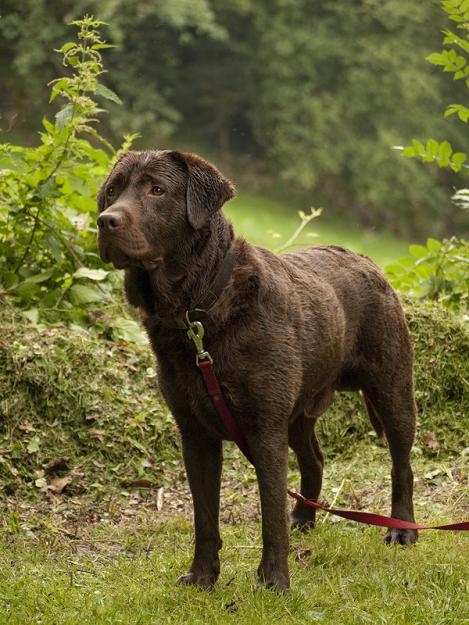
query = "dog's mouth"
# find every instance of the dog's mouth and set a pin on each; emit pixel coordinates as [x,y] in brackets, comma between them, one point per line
[114,255]
[122,257]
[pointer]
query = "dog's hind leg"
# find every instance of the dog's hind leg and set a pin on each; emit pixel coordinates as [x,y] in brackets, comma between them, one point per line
[302,439]
[396,410]
[374,417]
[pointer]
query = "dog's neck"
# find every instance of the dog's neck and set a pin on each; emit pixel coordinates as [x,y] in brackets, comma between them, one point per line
[182,280]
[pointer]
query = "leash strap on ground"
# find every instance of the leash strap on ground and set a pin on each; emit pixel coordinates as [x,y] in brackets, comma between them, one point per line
[369,518]
[377,519]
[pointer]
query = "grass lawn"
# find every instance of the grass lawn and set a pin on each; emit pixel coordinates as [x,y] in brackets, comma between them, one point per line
[261,220]
[122,570]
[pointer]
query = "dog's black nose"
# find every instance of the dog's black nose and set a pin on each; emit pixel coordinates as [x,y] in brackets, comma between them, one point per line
[110,221]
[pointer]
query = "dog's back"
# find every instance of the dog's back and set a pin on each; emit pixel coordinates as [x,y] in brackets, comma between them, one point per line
[369,313]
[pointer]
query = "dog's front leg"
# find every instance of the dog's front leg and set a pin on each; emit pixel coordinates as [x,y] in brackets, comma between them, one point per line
[203,461]
[270,455]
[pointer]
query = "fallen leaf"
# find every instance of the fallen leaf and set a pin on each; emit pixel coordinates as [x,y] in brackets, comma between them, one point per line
[141,483]
[159,498]
[97,433]
[33,445]
[26,427]
[431,441]
[57,484]
[41,482]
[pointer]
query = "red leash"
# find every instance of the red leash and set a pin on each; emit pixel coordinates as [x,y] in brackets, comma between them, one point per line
[204,362]
[377,519]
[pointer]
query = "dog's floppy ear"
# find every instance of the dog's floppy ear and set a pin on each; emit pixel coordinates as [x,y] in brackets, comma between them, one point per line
[207,189]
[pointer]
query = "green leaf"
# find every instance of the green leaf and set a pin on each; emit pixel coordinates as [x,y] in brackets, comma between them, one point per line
[107,93]
[432,147]
[83,294]
[418,251]
[458,158]
[67,46]
[91,274]
[47,125]
[57,86]
[32,314]
[129,330]
[433,245]
[444,152]
[64,115]
[102,46]
[436,59]
[35,279]
[33,445]
[418,146]
[72,60]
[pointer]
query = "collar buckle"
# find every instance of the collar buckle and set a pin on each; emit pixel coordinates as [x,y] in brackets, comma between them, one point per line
[196,333]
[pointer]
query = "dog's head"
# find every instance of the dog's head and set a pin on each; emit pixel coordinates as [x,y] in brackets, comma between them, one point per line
[152,201]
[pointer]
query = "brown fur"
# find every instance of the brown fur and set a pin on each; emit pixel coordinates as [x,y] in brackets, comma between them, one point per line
[285,334]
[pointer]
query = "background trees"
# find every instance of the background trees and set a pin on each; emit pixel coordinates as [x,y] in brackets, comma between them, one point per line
[301,98]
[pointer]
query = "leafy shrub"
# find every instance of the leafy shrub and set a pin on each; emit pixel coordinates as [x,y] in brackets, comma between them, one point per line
[48,261]
[454,61]
[438,271]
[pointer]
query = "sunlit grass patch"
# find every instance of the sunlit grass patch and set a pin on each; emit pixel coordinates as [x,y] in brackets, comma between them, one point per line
[126,574]
[268,222]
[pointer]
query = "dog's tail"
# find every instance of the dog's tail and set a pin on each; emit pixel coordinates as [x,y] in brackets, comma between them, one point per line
[374,417]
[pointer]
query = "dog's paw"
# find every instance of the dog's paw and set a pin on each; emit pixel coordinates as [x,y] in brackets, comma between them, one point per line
[302,523]
[303,518]
[204,581]
[400,537]
[274,580]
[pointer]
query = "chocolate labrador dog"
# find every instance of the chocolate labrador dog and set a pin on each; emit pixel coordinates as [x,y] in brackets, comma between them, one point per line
[285,333]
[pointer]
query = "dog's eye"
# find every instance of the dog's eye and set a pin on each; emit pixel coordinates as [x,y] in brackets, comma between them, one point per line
[156,190]
[110,191]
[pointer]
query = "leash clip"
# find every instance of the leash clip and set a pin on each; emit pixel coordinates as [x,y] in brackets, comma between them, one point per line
[196,334]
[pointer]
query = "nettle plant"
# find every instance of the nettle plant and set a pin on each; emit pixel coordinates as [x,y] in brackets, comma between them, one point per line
[48,261]
[440,270]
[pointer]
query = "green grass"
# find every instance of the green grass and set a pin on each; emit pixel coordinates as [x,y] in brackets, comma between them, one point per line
[261,219]
[125,573]
[348,578]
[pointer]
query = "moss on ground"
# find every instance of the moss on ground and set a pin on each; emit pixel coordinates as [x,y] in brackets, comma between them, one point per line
[86,409]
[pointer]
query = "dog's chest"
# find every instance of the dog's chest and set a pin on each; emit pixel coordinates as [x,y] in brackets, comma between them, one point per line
[183,389]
